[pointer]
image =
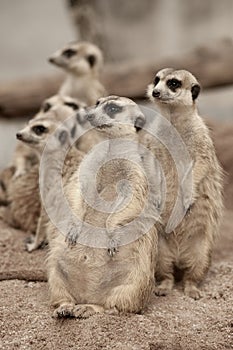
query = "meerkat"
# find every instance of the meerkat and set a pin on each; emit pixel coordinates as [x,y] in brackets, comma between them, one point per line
[25,210]
[25,156]
[20,193]
[188,248]
[85,279]
[5,178]
[83,63]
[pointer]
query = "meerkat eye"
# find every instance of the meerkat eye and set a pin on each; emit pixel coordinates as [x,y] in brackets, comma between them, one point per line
[156,81]
[39,129]
[97,103]
[72,105]
[111,109]
[91,59]
[46,107]
[68,53]
[174,84]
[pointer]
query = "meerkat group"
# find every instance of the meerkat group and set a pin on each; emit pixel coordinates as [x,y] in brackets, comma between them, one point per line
[109,261]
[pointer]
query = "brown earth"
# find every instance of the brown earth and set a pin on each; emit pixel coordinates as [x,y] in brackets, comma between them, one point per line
[172,322]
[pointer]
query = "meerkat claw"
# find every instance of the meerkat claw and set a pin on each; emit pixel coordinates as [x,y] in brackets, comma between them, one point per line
[72,236]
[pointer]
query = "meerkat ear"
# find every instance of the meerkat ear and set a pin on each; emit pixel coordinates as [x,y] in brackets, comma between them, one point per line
[139,122]
[73,131]
[195,90]
[91,59]
[46,107]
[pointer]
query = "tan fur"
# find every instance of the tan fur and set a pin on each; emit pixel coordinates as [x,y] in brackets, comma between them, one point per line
[71,163]
[24,202]
[84,280]
[5,179]
[25,156]
[24,210]
[82,80]
[189,246]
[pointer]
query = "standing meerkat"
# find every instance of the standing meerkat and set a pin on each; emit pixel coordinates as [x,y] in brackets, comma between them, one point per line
[24,210]
[188,248]
[20,194]
[83,63]
[85,279]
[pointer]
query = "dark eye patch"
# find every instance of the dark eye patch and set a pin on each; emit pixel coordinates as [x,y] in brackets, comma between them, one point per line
[111,109]
[73,131]
[80,119]
[46,107]
[156,81]
[174,84]
[39,129]
[72,105]
[63,136]
[91,59]
[97,103]
[68,53]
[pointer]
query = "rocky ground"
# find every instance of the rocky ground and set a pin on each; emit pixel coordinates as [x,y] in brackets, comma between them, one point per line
[172,322]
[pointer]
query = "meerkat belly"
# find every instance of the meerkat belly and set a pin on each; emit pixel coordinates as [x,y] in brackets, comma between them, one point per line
[194,231]
[90,274]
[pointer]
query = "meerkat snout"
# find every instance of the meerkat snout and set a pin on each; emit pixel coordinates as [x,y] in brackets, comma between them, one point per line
[155,93]
[19,136]
[51,60]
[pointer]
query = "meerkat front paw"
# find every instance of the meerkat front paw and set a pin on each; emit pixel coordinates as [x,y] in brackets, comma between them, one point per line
[113,247]
[72,235]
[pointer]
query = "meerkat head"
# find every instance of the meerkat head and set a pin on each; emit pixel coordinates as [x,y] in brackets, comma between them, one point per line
[81,59]
[37,131]
[116,116]
[64,106]
[173,87]
[68,113]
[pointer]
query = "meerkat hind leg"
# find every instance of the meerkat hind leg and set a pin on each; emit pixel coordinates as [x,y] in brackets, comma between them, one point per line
[195,272]
[165,286]
[191,290]
[164,270]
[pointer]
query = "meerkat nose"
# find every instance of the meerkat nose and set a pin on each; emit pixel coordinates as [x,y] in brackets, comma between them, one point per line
[19,136]
[156,93]
[51,60]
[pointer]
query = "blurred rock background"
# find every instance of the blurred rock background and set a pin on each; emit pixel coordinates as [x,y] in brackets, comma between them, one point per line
[127,30]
